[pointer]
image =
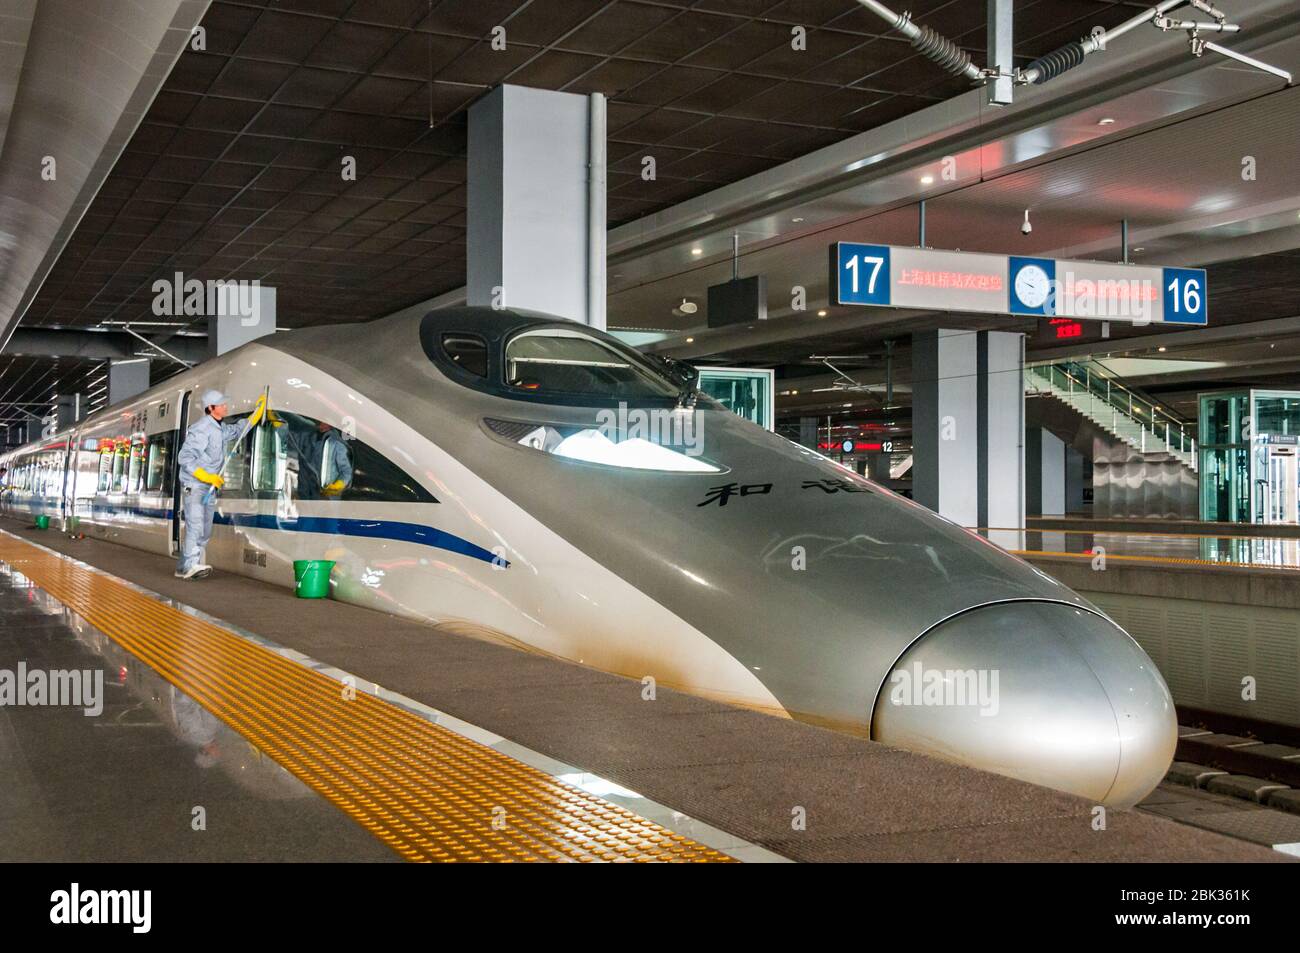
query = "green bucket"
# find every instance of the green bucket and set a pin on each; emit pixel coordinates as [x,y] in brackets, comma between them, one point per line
[313,576]
[42,522]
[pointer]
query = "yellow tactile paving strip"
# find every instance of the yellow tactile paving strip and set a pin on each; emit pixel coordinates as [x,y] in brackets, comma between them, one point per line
[1169,560]
[427,792]
[1138,557]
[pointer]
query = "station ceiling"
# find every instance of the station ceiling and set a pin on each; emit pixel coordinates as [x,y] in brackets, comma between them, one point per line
[234,171]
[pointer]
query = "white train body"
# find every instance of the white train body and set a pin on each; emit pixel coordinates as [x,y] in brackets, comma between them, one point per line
[454,519]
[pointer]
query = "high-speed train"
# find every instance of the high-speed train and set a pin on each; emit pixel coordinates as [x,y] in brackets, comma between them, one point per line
[525,479]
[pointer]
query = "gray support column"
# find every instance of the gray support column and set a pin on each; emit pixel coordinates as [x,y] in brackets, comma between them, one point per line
[877,465]
[536,229]
[243,313]
[944,424]
[1000,21]
[808,432]
[967,423]
[1045,473]
[127,378]
[1002,414]
[68,409]
[1073,480]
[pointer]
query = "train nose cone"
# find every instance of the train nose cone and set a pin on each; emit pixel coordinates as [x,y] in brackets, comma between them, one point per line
[1039,691]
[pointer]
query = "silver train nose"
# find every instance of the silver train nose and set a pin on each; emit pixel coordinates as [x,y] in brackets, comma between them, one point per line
[1040,691]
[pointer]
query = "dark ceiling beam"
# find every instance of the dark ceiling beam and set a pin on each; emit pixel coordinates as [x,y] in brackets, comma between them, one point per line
[1221,334]
[98,345]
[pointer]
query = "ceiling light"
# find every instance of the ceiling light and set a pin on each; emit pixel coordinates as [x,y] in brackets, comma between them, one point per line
[690,340]
[1105,121]
[927,180]
[821,313]
[697,251]
[1162,349]
[793,393]
[688,306]
[797,219]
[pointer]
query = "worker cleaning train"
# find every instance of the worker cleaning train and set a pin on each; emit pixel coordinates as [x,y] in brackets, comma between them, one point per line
[201,462]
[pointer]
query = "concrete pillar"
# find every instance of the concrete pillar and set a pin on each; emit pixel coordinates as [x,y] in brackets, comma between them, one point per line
[877,465]
[1073,480]
[1044,473]
[243,313]
[127,378]
[968,426]
[536,197]
[66,411]
[69,408]
[808,432]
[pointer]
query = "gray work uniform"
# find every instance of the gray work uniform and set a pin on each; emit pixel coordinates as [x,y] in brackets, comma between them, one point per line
[204,448]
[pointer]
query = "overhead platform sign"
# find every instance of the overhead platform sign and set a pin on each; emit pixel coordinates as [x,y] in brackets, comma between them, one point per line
[890,276]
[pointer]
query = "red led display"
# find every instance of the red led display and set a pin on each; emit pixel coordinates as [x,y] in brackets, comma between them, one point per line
[1066,328]
[970,281]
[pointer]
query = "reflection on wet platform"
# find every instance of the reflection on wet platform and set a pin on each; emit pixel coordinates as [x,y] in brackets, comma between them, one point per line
[1227,551]
[424,790]
[152,776]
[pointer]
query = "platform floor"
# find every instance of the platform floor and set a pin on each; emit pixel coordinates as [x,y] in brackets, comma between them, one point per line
[153,777]
[742,772]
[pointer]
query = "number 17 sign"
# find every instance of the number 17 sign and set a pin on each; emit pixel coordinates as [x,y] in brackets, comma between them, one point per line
[862,274]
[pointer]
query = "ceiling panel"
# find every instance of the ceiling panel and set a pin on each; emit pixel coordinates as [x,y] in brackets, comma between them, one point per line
[234,172]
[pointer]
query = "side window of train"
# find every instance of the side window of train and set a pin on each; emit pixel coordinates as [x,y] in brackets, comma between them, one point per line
[106,456]
[314,460]
[236,476]
[158,455]
[120,466]
[135,472]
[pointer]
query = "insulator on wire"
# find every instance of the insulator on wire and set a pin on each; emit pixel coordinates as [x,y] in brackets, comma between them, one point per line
[942,50]
[1057,62]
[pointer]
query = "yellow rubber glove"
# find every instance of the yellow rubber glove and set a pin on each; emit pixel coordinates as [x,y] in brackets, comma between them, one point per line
[259,411]
[213,478]
[333,489]
[274,418]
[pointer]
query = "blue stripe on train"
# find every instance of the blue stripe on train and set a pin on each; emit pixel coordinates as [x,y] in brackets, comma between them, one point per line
[331,526]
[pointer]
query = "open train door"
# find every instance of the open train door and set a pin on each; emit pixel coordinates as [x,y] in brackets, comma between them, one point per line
[182,424]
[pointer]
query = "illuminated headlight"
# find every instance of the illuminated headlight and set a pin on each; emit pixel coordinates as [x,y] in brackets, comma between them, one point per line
[635,453]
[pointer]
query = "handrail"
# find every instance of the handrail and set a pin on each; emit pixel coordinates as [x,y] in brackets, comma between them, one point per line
[1105,373]
[1080,377]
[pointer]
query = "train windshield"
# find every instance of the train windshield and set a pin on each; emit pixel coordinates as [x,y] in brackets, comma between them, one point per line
[553,360]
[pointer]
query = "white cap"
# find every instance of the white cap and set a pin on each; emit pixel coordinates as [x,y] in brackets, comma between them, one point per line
[212,398]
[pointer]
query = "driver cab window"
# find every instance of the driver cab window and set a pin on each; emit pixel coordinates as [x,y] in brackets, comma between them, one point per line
[468,351]
[565,361]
